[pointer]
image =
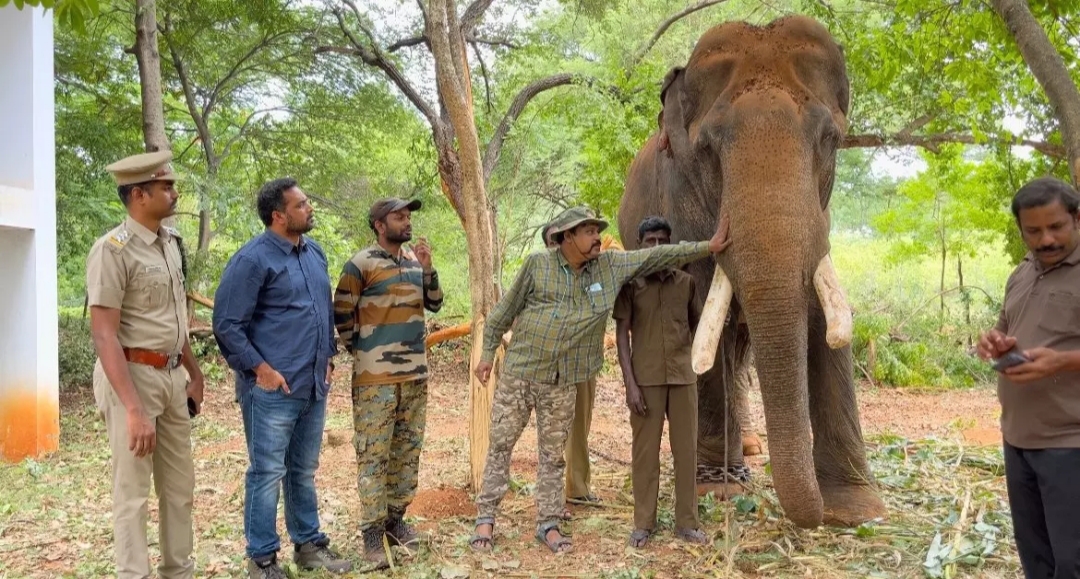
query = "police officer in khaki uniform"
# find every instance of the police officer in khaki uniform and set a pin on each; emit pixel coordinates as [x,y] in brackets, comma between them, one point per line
[138,318]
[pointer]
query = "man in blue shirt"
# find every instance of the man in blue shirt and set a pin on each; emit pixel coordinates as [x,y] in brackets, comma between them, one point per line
[274,323]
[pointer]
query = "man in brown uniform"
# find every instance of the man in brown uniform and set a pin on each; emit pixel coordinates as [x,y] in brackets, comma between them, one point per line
[138,318]
[1040,397]
[577,440]
[659,314]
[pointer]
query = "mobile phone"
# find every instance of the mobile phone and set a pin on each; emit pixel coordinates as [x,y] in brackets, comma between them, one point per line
[191,409]
[1008,360]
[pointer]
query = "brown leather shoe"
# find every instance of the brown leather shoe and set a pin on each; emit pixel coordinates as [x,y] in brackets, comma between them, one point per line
[311,556]
[374,553]
[398,532]
[265,569]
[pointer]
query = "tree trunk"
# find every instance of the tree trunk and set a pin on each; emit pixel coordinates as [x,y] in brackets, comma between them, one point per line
[1049,69]
[452,76]
[149,60]
[146,54]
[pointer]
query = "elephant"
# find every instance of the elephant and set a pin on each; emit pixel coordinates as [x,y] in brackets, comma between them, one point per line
[749,128]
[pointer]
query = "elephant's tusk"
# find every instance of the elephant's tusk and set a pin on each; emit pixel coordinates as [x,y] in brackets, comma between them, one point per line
[711,325]
[838,322]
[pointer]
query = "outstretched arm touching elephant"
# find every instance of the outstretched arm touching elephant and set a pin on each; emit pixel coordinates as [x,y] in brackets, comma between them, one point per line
[631,264]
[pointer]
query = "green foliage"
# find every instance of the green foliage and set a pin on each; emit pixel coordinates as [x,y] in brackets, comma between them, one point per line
[71,14]
[901,336]
[76,350]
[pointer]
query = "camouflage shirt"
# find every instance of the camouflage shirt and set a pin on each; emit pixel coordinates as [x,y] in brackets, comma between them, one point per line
[379,313]
[559,315]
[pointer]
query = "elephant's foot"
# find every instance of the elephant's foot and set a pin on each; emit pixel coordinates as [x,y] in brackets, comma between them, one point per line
[850,505]
[751,444]
[723,482]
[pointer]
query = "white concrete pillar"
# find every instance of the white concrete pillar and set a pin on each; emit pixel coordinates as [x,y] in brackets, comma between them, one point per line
[29,376]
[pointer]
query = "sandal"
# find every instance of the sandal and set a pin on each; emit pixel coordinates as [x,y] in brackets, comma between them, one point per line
[692,536]
[560,545]
[639,537]
[481,543]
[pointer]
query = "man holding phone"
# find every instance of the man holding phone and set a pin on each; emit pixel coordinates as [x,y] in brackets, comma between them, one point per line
[1035,346]
[379,312]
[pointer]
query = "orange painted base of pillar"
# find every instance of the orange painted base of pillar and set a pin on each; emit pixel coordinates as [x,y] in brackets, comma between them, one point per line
[29,425]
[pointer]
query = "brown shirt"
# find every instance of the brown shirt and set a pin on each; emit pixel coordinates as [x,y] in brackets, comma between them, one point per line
[138,272]
[1042,309]
[663,315]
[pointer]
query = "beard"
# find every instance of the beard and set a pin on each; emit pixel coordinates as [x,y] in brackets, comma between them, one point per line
[300,226]
[400,236]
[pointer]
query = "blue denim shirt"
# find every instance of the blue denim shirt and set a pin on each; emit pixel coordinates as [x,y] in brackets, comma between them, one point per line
[274,304]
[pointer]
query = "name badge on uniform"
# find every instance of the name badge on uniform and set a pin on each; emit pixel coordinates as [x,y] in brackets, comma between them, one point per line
[595,288]
[153,269]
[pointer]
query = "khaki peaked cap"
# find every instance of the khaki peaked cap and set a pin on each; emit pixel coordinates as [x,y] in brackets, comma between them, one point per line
[143,168]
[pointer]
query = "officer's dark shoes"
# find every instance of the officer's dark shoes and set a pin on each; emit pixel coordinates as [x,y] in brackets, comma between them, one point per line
[265,568]
[317,555]
[374,552]
[398,532]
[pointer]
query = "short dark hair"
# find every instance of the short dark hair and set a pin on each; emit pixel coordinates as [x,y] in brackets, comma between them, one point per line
[1044,191]
[124,191]
[271,198]
[652,223]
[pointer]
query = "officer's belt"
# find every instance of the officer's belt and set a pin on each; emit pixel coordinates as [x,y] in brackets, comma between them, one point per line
[158,360]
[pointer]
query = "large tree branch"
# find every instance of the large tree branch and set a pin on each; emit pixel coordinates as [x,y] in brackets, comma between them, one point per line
[934,142]
[472,16]
[373,56]
[667,24]
[491,153]
[197,117]
[407,42]
[472,39]
[238,68]
[1048,67]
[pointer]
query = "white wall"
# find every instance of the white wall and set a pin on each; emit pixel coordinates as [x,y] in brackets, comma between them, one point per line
[29,395]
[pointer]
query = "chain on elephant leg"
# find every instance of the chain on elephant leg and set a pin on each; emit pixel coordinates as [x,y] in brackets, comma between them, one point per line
[723,482]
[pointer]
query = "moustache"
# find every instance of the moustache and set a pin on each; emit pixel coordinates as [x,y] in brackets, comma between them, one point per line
[596,245]
[1050,249]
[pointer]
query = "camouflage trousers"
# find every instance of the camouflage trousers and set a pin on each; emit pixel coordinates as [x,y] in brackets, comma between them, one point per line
[514,401]
[388,433]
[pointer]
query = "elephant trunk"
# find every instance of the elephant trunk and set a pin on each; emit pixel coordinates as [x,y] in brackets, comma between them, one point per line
[780,237]
[777,321]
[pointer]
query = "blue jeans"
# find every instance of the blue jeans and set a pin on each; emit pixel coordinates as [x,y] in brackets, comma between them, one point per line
[284,436]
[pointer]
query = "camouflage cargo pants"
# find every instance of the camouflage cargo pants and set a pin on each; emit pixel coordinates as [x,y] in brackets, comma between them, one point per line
[388,433]
[513,403]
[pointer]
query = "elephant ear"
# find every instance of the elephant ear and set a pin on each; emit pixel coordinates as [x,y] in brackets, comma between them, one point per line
[673,137]
[674,74]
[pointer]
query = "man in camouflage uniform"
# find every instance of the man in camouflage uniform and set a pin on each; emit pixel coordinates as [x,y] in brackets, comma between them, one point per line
[379,313]
[138,319]
[559,304]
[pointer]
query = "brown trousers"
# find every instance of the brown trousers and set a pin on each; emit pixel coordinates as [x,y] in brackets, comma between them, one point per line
[164,396]
[577,442]
[679,405]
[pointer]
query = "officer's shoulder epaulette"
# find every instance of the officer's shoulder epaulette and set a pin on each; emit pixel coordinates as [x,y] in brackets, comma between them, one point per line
[118,238]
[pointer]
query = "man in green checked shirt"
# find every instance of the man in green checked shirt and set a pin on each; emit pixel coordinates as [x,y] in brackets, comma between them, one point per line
[559,305]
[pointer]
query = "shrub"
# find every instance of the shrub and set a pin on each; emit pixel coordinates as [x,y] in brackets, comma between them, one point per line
[76,351]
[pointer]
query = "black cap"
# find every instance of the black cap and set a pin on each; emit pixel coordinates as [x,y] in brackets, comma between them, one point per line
[384,207]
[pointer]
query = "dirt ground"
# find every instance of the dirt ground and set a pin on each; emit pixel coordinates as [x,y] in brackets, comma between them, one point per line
[56,521]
